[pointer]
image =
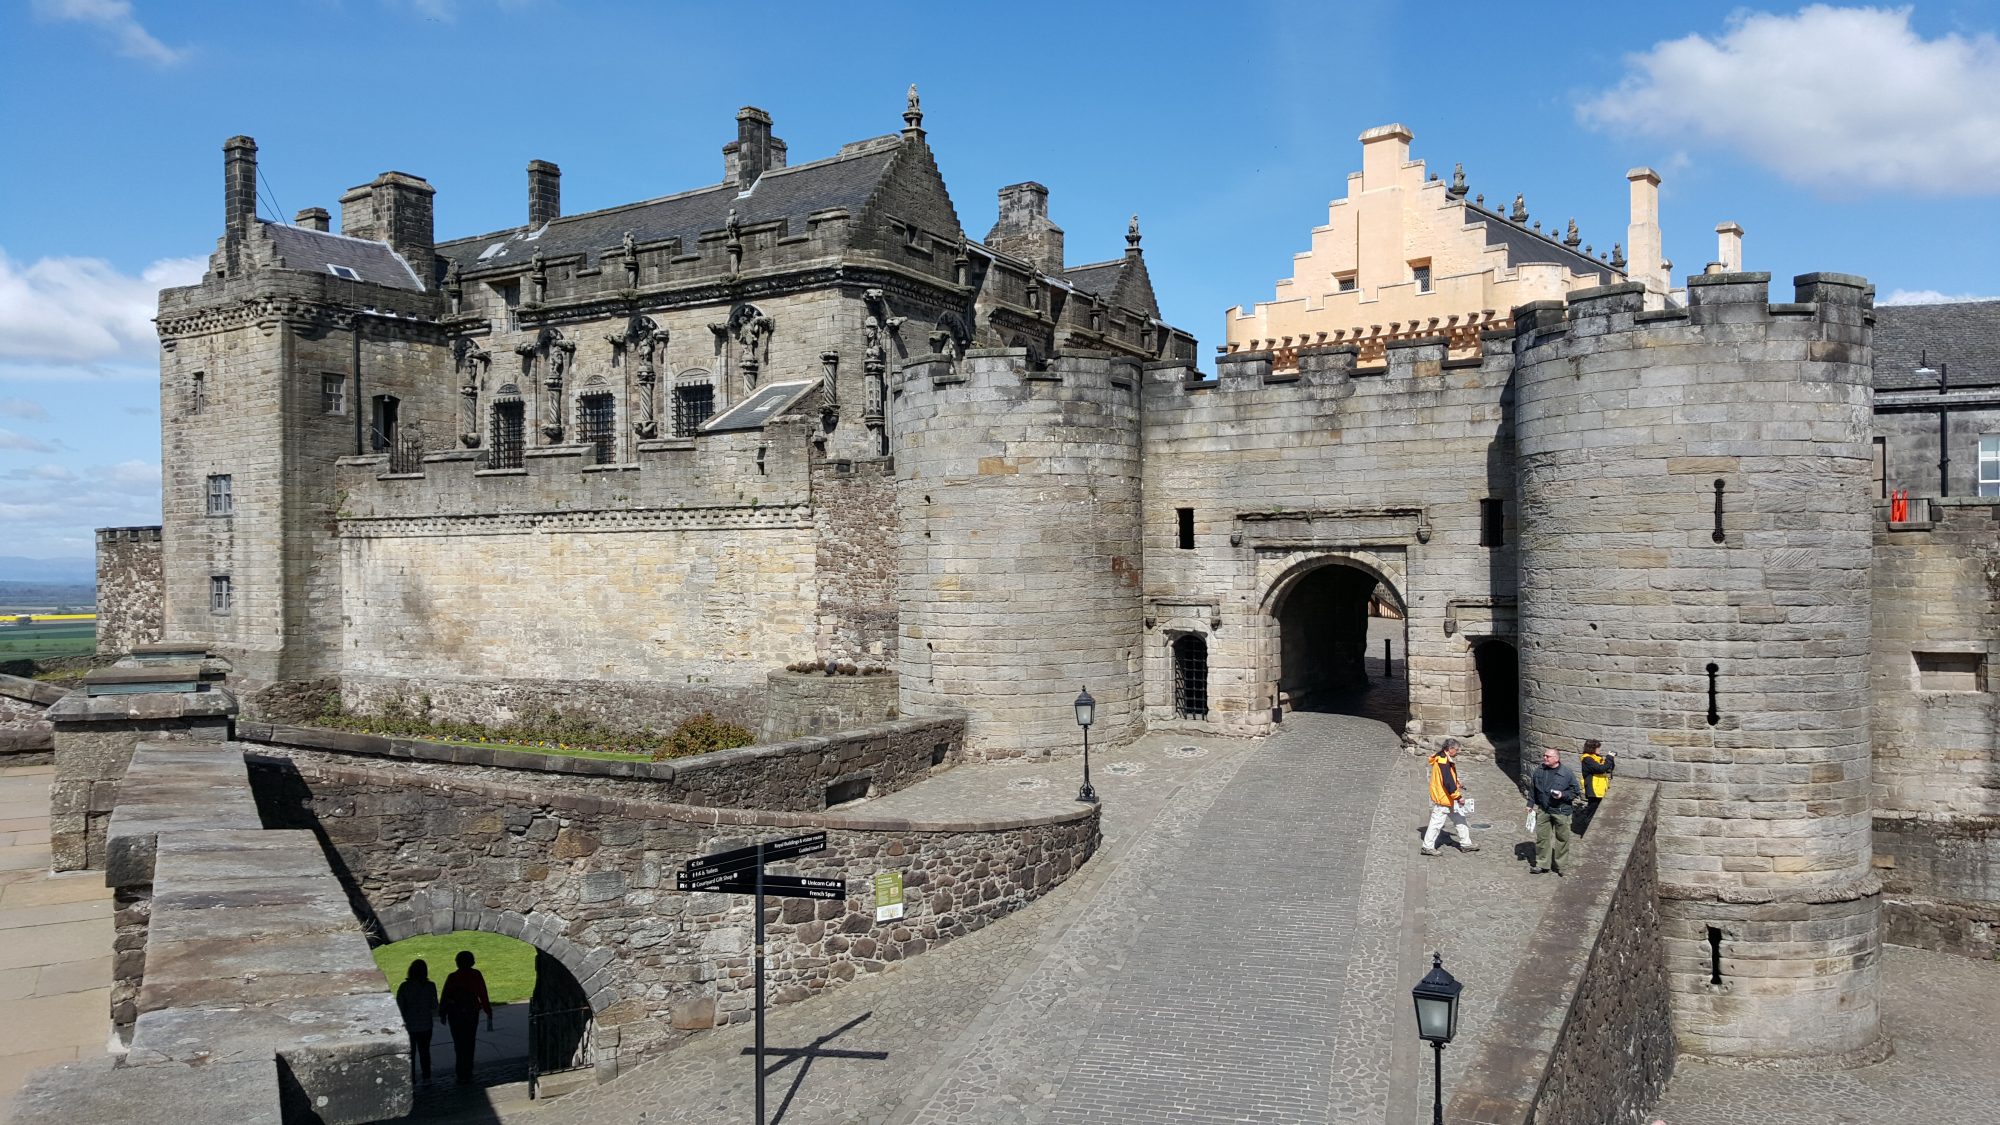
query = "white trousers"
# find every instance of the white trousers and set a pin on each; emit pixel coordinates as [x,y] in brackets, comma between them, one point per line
[1440,814]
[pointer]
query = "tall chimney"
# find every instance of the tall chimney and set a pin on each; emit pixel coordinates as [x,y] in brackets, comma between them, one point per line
[394,208]
[1729,247]
[544,193]
[239,194]
[1024,230]
[314,218]
[1642,236]
[1384,151]
[754,151]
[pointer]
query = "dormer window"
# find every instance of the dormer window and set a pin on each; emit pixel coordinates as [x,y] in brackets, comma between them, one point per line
[343,272]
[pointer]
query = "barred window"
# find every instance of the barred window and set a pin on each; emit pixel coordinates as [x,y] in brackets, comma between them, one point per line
[595,421]
[220,501]
[197,393]
[509,431]
[693,403]
[219,594]
[333,394]
[1190,676]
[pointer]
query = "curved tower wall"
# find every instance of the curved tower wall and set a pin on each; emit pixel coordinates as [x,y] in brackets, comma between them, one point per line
[1019,579]
[1626,421]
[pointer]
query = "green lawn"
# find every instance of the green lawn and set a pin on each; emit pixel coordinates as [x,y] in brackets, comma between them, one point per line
[558,751]
[509,965]
[48,640]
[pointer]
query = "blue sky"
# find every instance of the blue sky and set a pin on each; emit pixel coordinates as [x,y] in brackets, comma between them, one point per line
[1864,140]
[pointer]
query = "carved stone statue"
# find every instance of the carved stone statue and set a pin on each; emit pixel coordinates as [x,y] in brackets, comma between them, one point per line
[645,340]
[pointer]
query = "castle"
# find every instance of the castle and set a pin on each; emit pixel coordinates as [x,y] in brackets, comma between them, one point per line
[629,462]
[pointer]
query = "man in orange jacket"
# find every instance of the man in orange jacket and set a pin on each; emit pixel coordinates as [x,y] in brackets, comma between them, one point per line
[1447,800]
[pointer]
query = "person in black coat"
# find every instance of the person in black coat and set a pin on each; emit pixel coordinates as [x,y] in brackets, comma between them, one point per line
[417,999]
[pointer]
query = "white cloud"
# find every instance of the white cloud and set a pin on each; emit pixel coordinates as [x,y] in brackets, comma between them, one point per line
[49,510]
[1930,297]
[21,408]
[116,18]
[1839,100]
[83,312]
[22,443]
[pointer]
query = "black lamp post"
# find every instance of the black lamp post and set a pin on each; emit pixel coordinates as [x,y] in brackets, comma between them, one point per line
[1086,711]
[1437,1021]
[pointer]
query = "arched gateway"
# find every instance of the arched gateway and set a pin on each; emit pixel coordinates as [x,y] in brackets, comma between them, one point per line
[1337,639]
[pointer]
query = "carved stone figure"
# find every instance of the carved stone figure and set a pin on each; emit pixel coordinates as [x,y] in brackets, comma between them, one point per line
[472,364]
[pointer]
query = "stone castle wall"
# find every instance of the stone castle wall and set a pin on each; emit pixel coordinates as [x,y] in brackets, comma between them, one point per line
[1937,769]
[1278,490]
[129,591]
[1018,494]
[1727,661]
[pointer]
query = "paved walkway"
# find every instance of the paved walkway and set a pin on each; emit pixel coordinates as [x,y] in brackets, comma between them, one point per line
[1230,955]
[55,943]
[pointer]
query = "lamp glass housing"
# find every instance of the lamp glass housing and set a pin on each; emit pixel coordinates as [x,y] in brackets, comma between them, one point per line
[1086,708]
[1436,998]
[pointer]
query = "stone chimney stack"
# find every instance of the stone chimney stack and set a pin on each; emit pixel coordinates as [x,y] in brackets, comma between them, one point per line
[1384,151]
[314,218]
[239,195]
[754,151]
[395,208]
[1729,247]
[1642,236]
[1024,229]
[544,193]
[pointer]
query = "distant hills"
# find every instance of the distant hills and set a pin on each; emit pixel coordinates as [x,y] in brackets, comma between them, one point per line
[14,568]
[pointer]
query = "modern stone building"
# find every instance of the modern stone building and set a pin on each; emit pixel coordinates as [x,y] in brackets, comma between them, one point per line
[630,462]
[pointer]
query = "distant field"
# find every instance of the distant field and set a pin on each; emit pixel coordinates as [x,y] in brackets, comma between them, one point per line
[48,639]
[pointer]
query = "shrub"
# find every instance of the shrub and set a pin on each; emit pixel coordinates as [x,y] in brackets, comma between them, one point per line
[701,734]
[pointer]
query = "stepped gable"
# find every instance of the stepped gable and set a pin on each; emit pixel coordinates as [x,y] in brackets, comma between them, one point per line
[1963,334]
[847,180]
[1525,245]
[313,251]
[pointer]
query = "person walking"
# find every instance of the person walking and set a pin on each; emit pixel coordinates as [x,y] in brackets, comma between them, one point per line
[1447,800]
[1552,794]
[1597,765]
[417,999]
[463,999]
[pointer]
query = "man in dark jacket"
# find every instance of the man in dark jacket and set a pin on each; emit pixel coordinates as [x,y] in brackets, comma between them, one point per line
[1553,793]
[464,997]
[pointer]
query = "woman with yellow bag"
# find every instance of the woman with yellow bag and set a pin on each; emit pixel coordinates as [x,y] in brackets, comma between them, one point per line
[1598,766]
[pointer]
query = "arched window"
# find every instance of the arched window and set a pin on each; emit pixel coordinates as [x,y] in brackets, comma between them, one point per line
[1190,676]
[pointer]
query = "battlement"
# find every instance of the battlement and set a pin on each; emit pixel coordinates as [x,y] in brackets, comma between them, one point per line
[1842,302]
[768,469]
[106,536]
[1066,374]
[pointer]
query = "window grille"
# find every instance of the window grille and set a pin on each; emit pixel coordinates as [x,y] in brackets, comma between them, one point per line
[220,596]
[693,403]
[1190,677]
[407,454]
[596,415]
[220,502]
[1422,276]
[509,429]
[333,394]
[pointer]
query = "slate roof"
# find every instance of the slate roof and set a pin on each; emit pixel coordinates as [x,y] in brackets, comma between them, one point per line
[1097,279]
[1524,245]
[846,180]
[1965,335]
[313,251]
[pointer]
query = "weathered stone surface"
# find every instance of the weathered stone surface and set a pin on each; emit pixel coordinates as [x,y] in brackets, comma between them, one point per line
[243,1093]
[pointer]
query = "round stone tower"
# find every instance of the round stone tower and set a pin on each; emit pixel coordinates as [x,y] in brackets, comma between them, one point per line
[1694,561]
[1018,489]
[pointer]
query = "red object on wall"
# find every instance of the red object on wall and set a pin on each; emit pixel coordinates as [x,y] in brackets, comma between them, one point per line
[1899,506]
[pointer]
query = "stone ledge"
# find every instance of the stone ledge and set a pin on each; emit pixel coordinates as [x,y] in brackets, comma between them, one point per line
[101,1093]
[76,707]
[31,691]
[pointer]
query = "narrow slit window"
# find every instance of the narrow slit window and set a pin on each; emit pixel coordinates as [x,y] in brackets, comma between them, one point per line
[197,393]
[1714,955]
[1714,710]
[1184,517]
[1493,522]
[1717,533]
[1879,469]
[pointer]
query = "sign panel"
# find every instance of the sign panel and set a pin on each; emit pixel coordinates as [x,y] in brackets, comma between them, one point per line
[781,886]
[888,895]
[741,858]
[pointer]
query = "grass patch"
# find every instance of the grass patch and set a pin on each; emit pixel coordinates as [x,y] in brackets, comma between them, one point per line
[48,640]
[544,748]
[509,964]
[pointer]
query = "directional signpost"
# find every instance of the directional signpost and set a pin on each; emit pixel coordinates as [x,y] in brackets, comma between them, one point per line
[741,872]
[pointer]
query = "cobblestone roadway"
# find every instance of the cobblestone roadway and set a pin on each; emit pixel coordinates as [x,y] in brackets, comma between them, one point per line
[1193,972]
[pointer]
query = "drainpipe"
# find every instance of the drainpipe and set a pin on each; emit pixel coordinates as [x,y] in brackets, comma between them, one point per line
[356,399]
[1944,432]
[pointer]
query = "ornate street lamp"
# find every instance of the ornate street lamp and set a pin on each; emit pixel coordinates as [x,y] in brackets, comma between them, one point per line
[1437,1021]
[1086,712]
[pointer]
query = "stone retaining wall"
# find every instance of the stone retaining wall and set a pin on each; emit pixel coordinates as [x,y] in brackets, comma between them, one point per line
[797,776]
[797,704]
[1941,885]
[589,879]
[1589,1039]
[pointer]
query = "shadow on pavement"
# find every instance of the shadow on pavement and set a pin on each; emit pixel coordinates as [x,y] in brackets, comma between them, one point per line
[805,1056]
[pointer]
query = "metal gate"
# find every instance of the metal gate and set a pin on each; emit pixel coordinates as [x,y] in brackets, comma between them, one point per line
[558,1042]
[1190,677]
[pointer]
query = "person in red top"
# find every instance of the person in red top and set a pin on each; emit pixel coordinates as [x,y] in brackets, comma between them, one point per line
[464,997]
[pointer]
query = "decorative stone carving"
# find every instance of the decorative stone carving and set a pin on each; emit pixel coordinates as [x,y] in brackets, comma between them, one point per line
[1457,188]
[750,330]
[472,365]
[1520,214]
[874,371]
[643,341]
[539,275]
[829,402]
[555,355]
[454,289]
[629,252]
[1572,239]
